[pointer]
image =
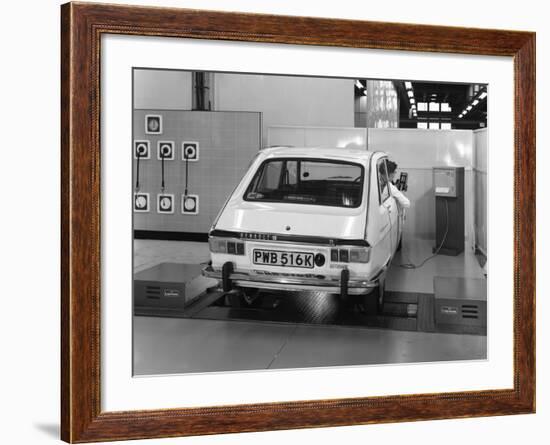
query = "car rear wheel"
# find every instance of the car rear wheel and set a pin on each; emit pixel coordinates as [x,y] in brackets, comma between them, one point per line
[374,302]
[400,244]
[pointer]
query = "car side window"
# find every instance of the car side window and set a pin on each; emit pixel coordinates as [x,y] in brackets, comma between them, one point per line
[383,188]
[271,176]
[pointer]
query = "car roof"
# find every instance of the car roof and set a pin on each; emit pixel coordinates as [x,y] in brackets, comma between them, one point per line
[344,154]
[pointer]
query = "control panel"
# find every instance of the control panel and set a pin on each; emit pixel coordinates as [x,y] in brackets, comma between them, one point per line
[445,181]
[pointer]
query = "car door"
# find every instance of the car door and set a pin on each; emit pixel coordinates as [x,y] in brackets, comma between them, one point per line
[388,212]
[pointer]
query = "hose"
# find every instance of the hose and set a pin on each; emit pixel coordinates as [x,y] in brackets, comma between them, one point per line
[411,265]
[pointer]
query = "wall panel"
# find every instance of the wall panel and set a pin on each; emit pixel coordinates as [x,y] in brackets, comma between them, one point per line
[480,181]
[288,100]
[162,89]
[417,152]
[227,141]
[325,137]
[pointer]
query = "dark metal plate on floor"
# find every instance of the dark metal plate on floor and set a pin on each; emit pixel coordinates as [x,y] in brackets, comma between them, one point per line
[399,311]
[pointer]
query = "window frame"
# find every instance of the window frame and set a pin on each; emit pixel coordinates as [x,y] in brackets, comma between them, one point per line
[380,200]
[299,160]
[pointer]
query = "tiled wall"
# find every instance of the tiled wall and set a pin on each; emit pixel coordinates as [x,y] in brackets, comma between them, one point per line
[227,141]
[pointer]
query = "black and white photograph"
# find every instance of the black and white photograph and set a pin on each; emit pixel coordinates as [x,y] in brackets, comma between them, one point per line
[342,221]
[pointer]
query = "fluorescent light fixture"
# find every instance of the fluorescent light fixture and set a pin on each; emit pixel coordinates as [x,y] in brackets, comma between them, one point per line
[469,107]
[482,95]
[412,101]
[408,85]
[475,102]
[410,93]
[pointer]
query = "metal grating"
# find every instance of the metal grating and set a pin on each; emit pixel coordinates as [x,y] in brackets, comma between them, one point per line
[152,292]
[470,311]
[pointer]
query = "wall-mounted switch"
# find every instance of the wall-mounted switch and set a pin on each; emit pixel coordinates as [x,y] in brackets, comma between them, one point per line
[141,202]
[153,124]
[142,149]
[165,203]
[165,149]
[190,151]
[190,204]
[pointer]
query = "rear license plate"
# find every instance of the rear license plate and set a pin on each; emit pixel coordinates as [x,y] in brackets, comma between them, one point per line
[282,258]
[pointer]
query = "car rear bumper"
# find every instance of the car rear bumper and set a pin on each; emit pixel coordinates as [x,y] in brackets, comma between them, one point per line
[277,281]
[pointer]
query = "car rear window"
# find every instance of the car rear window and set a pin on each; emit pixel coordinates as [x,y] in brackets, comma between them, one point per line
[308,181]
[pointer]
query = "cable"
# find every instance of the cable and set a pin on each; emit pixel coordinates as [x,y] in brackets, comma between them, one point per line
[186,174]
[138,155]
[411,265]
[162,168]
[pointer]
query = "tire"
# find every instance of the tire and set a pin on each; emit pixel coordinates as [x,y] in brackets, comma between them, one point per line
[374,301]
[381,295]
[234,299]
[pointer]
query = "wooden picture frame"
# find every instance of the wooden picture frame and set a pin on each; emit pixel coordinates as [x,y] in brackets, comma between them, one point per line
[82,26]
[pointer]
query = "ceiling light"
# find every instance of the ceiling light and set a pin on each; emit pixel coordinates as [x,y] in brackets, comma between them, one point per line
[412,101]
[408,85]
[410,93]
[475,102]
[469,107]
[482,95]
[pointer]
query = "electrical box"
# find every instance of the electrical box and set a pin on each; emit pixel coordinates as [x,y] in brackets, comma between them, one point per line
[167,286]
[449,210]
[445,182]
[461,304]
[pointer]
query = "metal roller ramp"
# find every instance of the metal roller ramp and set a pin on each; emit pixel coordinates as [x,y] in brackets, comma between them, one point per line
[403,311]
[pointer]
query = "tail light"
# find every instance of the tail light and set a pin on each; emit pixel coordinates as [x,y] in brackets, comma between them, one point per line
[221,245]
[352,255]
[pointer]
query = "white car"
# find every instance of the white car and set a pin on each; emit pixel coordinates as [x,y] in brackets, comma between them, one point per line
[308,219]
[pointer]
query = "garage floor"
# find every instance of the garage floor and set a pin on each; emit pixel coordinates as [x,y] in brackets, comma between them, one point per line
[182,345]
